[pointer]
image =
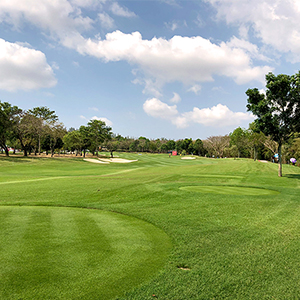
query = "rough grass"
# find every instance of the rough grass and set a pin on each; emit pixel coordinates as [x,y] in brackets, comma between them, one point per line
[235,245]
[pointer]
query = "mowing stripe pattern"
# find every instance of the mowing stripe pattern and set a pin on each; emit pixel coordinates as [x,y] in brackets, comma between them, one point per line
[69,253]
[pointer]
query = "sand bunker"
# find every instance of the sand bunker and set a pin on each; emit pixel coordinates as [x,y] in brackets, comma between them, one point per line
[188,157]
[116,160]
[96,161]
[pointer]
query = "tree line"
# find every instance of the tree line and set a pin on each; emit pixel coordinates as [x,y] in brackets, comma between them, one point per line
[275,130]
[39,130]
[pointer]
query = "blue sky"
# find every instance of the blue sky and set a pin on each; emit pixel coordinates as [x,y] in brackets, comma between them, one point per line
[154,68]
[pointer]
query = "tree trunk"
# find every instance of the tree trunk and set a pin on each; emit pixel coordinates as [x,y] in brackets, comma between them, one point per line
[279,161]
[25,151]
[6,151]
[39,145]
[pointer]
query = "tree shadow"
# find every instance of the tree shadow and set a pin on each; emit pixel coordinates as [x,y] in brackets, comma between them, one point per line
[293,176]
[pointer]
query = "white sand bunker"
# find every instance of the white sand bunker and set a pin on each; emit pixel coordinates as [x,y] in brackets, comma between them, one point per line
[117,160]
[96,161]
[188,157]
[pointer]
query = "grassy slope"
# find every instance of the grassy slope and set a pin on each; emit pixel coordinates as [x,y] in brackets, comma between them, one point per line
[236,246]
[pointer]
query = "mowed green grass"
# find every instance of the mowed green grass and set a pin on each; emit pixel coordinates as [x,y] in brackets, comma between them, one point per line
[67,253]
[192,229]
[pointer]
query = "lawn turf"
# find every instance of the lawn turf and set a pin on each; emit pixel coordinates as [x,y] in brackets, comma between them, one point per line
[234,245]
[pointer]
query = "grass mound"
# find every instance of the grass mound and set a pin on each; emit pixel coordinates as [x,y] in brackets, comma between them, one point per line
[229,190]
[68,253]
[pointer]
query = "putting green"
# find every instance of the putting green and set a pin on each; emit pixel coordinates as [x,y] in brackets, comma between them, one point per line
[73,253]
[229,190]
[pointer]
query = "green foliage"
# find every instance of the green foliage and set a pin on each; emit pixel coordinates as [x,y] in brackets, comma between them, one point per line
[8,116]
[294,149]
[171,144]
[199,148]
[239,138]
[278,111]
[96,132]
[73,140]
[44,113]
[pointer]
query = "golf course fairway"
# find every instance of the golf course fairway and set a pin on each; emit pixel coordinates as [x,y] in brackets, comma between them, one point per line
[73,253]
[229,190]
[158,228]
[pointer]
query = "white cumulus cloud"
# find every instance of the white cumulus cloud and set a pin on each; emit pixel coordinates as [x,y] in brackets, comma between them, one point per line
[216,116]
[105,120]
[189,60]
[158,109]
[22,68]
[275,22]
[185,59]
[62,19]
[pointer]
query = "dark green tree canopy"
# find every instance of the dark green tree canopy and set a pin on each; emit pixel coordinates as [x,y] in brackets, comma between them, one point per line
[278,110]
[8,120]
[239,138]
[44,113]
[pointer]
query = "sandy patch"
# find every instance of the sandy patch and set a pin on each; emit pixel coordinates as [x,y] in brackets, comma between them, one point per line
[117,160]
[96,161]
[188,157]
[264,161]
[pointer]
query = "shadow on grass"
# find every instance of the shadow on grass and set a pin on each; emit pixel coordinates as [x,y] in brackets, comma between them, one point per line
[22,158]
[294,176]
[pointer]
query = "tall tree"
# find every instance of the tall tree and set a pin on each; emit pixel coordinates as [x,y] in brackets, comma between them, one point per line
[198,146]
[47,117]
[186,145]
[98,132]
[217,144]
[143,143]
[73,141]
[56,131]
[277,111]
[255,139]
[8,121]
[238,138]
[171,145]
[112,145]
[85,136]
[26,131]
